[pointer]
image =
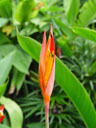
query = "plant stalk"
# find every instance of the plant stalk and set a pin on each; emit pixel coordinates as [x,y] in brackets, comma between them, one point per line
[47,114]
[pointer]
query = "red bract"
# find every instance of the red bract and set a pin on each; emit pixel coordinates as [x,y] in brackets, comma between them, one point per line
[47,69]
[1,113]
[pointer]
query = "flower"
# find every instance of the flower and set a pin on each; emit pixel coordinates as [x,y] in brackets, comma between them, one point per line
[47,69]
[1,113]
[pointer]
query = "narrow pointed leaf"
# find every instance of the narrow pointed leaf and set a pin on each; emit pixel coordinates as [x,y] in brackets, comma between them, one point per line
[17,80]
[3,88]
[70,84]
[86,33]
[87,13]
[73,10]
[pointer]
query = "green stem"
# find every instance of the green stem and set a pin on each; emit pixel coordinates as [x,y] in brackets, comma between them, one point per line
[47,114]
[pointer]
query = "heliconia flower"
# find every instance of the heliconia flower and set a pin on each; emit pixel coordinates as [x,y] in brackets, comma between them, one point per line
[47,70]
[1,113]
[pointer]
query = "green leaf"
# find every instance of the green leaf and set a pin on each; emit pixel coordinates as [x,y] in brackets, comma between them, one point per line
[3,38]
[29,29]
[3,21]
[35,125]
[67,81]
[93,68]
[22,62]
[5,8]
[28,48]
[3,126]
[17,80]
[3,88]
[86,33]
[14,112]
[5,66]
[65,48]
[66,5]
[55,8]
[88,13]
[20,14]
[6,49]
[73,10]
[64,27]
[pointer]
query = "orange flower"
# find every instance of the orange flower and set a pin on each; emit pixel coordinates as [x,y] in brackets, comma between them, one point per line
[47,69]
[1,113]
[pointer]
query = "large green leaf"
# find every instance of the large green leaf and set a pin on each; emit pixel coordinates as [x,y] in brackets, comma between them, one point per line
[5,66]
[5,8]
[87,13]
[86,33]
[6,49]
[14,112]
[72,10]
[22,61]
[67,81]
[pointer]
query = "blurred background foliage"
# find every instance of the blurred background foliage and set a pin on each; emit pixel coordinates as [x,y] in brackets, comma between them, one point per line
[19,88]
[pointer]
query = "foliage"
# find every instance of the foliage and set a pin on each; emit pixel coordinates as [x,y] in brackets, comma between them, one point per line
[71,107]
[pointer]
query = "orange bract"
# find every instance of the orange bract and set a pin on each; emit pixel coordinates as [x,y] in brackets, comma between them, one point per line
[47,60]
